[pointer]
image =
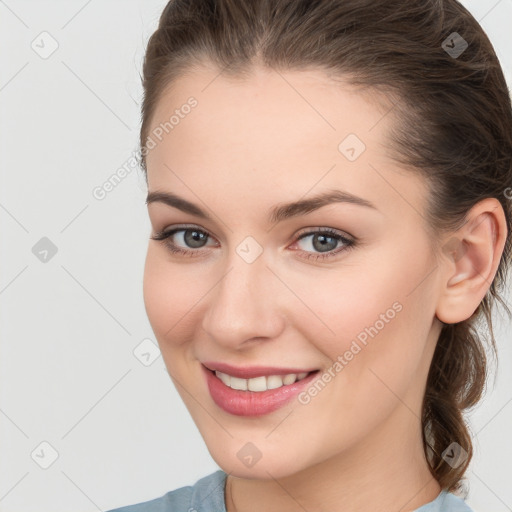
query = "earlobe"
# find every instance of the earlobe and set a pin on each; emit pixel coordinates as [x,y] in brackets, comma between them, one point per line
[470,259]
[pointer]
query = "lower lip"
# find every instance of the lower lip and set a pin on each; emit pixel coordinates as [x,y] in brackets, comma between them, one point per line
[253,403]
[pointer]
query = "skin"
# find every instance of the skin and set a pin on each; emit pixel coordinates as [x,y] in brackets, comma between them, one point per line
[247,147]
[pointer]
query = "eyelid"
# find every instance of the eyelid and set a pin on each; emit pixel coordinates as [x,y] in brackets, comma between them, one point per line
[322,229]
[181,227]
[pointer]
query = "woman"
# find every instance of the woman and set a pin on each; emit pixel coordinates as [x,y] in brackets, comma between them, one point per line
[328,189]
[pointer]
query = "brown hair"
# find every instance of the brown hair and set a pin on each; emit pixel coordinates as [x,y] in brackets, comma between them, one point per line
[455,129]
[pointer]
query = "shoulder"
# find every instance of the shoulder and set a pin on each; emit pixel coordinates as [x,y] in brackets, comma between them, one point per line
[446,502]
[206,495]
[453,503]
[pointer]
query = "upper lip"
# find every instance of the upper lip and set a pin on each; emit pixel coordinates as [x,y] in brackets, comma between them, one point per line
[248,372]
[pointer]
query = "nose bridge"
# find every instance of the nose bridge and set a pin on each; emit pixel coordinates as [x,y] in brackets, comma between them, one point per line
[244,303]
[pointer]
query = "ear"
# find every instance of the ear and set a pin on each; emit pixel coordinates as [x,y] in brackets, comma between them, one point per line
[469,261]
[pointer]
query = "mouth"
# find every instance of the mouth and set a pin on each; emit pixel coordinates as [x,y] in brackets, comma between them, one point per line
[255,396]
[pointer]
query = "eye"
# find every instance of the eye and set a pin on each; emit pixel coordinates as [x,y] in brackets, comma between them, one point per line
[325,241]
[188,241]
[190,237]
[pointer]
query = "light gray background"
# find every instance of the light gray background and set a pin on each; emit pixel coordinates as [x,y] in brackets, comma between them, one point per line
[69,327]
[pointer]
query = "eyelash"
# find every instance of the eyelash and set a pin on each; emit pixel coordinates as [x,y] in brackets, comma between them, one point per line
[164,237]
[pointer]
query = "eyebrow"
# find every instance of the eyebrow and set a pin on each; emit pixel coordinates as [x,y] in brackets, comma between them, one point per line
[277,213]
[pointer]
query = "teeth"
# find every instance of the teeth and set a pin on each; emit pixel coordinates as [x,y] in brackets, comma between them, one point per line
[274,381]
[237,383]
[259,383]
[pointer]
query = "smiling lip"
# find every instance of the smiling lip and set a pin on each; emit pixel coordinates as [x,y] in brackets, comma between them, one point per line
[253,403]
[249,372]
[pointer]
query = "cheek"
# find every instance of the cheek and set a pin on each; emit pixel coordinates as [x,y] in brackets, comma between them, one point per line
[376,353]
[170,293]
[379,313]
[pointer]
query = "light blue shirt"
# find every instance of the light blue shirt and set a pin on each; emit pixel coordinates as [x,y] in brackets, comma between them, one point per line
[207,495]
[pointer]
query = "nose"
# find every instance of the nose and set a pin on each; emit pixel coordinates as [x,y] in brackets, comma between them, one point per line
[245,305]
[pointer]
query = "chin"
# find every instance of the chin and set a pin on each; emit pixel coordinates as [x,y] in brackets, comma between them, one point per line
[275,466]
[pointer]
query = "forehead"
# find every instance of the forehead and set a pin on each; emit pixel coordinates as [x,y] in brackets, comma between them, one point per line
[295,106]
[282,130]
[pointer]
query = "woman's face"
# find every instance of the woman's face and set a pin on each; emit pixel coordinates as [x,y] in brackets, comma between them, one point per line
[357,302]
